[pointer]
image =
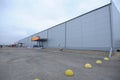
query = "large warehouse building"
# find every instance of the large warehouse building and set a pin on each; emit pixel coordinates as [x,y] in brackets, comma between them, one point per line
[98,29]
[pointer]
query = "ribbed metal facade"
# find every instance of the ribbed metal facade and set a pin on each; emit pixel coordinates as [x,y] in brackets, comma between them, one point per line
[95,30]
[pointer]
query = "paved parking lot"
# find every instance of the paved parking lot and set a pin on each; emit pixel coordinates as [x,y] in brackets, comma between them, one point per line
[26,64]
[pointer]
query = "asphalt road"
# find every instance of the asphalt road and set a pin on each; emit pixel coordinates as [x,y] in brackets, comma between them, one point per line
[27,64]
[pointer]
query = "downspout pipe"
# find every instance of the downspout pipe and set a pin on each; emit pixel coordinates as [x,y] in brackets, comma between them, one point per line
[111,31]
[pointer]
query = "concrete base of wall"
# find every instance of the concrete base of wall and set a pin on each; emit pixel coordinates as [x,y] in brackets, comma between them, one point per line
[105,53]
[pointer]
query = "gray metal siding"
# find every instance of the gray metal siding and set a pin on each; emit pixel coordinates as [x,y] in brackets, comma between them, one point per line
[25,42]
[43,34]
[56,36]
[29,42]
[91,31]
[115,26]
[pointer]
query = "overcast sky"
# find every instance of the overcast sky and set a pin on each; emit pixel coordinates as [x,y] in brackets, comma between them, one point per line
[21,18]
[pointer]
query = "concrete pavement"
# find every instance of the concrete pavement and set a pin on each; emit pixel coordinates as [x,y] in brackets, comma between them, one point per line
[26,64]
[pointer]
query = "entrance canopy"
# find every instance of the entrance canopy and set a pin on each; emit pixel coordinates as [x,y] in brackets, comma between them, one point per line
[37,38]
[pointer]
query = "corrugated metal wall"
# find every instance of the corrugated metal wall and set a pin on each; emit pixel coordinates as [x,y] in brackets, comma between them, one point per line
[115,26]
[56,36]
[43,34]
[90,31]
